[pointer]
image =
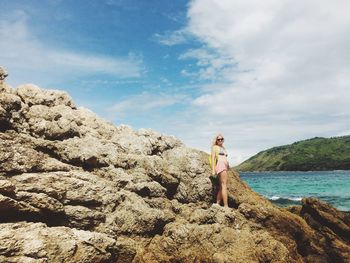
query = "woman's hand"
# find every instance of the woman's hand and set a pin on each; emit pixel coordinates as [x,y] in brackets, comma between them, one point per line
[213,172]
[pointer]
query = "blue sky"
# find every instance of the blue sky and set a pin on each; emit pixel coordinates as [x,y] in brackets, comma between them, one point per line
[263,74]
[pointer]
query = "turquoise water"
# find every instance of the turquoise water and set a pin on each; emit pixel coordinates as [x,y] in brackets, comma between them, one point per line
[287,188]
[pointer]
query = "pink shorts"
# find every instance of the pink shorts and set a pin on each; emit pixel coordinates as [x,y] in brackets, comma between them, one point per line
[221,166]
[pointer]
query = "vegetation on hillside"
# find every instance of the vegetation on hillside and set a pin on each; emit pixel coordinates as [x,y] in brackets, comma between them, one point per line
[309,155]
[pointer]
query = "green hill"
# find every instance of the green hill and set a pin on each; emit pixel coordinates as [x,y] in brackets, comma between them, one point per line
[309,155]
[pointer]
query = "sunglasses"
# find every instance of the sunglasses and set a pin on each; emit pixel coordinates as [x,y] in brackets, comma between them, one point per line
[220,139]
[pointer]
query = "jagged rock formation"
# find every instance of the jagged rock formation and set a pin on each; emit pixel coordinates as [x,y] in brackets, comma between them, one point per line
[3,76]
[75,188]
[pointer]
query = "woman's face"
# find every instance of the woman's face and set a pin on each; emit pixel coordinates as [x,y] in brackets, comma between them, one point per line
[220,140]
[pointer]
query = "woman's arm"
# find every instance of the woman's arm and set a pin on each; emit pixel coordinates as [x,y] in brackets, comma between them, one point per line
[213,153]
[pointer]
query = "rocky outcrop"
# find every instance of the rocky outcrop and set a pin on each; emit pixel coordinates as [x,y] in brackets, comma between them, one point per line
[75,188]
[330,226]
[35,242]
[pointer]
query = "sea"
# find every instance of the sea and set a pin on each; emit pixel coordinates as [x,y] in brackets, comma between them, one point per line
[288,188]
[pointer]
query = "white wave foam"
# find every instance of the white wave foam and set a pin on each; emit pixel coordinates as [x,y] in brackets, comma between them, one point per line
[276,198]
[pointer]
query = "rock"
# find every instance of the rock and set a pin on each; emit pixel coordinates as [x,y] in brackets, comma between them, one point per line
[10,102]
[83,217]
[188,167]
[3,86]
[90,124]
[9,105]
[3,73]
[8,205]
[13,210]
[70,188]
[133,216]
[128,248]
[212,215]
[6,187]
[319,214]
[332,227]
[90,191]
[53,123]
[33,95]
[19,154]
[146,142]
[213,243]
[151,189]
[88,152]
[35,242]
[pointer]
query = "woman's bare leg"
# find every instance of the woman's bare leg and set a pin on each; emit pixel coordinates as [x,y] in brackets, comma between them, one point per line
[223,187]
[219,195]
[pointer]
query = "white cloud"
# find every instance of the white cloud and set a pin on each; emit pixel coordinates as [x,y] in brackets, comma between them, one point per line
[281,72]
[213,66]
[143,103]
[172,38]
[29,59]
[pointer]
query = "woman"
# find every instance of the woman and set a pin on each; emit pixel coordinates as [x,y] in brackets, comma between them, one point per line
[220,167]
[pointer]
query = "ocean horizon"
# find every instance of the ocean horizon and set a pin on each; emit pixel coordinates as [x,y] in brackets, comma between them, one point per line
[286,188]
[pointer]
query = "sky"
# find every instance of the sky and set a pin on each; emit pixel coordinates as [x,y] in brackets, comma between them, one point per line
[261,73]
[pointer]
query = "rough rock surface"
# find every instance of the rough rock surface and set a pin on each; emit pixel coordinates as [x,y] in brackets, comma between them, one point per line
[75,188]
[35,242]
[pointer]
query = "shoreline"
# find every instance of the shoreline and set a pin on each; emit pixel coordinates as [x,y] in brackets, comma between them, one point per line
[285,188]
[294,171]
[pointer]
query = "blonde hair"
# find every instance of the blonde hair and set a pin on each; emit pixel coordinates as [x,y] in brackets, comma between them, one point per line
[214,142]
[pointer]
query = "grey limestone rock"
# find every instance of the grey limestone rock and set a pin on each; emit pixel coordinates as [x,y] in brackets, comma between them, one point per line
[24,242]
[3,73]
